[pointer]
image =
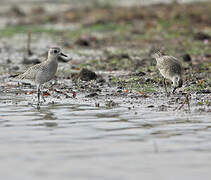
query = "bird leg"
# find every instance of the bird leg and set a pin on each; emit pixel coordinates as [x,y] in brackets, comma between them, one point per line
[164,84]
[42,96]
[38,97]
[39,92]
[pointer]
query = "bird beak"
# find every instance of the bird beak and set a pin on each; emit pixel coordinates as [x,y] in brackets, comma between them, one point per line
[63,57]
[63,54]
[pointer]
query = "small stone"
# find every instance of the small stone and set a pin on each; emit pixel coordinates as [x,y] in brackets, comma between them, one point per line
[186,58]
[8,61]
[15,68]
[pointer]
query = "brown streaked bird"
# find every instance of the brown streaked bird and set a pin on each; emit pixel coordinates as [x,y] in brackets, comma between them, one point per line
[170,68]
[43,72]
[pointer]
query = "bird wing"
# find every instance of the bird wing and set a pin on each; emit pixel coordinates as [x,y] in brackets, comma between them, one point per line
[173,59]
[30,73]
[176,65]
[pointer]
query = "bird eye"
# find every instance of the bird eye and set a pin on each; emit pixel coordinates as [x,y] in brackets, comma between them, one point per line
[55,51]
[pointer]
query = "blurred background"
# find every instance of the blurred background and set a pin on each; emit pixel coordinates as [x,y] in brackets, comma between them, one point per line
[178,27]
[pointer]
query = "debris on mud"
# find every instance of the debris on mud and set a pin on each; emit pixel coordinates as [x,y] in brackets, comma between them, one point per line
[91,95]
[204,91]
[16,11]
[87,41]
[31,60]
[202,36]
[74,94]
[151,106]
[87,75]
[111,104]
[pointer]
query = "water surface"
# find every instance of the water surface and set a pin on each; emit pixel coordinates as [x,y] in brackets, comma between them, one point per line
[73,139]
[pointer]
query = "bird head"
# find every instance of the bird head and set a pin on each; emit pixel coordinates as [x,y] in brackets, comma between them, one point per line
[55,52]
[177,82]
[155,53]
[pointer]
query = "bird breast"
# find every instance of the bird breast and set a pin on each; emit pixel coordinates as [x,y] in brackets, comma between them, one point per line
[46,72]
[169,67]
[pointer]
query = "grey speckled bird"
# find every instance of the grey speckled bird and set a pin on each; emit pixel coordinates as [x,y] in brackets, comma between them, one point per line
[43,72]
[170,68]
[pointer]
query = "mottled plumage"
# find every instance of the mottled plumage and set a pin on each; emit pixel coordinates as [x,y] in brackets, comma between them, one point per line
[170,68]
[43,72]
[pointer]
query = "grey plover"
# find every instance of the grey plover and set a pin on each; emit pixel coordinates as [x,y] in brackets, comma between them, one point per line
[43,72]
[170,68]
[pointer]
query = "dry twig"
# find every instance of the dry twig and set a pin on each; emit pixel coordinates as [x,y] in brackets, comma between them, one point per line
[29,52]
[186,101]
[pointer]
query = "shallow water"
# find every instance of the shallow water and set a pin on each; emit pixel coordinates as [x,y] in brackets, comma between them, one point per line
[73,139]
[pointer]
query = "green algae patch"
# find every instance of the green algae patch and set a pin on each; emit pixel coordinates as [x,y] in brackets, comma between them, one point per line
[24,29]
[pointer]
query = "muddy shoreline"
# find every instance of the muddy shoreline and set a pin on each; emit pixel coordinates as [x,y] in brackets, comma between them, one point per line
[115,39]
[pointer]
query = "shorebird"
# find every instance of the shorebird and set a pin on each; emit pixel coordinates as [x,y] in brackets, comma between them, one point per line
[43,72]
[170,68]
